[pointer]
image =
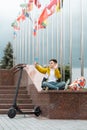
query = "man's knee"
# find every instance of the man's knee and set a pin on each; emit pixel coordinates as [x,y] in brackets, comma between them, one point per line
[62,87]
[44,84]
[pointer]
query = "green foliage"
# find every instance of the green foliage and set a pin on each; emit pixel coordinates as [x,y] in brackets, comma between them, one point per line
[7,59]
[65,71]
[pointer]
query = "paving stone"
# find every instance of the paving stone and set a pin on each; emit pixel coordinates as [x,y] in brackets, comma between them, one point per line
[30,122]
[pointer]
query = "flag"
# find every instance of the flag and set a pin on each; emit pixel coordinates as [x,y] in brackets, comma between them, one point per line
[15,25]
[37,27]
[27,14]
[16,28]
[44,23]
[28,6]
[55,5]
[59,5]
[14,34]
[31,1]
[44,15]
[34,32]
[47,11]
[21,17]
[52,3]
[51,8]
[24,5]
[37,3]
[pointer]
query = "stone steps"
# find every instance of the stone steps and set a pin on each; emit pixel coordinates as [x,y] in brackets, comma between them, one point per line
[8,101]
[7,94]
[12,92]
[21,106]
[11,96]
[5,111]
[11,87]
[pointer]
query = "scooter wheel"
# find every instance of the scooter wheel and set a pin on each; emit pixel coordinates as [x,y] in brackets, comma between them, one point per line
[12,112]
[37,111]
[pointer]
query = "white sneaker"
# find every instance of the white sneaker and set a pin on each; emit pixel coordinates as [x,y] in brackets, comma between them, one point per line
[67,83]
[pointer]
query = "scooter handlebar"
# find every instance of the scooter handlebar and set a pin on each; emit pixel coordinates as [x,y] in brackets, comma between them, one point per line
[19,66]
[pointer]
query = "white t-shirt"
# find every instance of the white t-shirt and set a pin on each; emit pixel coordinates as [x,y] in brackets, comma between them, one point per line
[51,77]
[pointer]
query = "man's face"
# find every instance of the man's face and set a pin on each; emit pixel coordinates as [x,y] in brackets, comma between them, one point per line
[52,64]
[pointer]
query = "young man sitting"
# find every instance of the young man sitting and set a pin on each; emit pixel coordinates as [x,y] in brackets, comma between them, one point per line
[52,75]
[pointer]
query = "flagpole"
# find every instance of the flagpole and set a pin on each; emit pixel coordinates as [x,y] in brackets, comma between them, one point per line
[57,38]
[27,42]
[82,42]
[43,48]
[20,45]
[21,39]
[47,46]
[24,39]
[30,44]
[63,53]
[61,42]
[37,46]
[14,48]
[52,36]
[28,39]
[70,22]
[23,42]
[33,47]
[33,42]
[16,51]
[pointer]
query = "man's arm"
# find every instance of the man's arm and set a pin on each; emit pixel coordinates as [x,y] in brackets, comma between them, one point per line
[40,68]
[57,73]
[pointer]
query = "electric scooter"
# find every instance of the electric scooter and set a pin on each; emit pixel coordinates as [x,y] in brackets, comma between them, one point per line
[14,108]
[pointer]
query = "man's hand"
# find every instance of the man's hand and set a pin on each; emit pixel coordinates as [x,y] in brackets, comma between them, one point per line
[35,63]
[56,66]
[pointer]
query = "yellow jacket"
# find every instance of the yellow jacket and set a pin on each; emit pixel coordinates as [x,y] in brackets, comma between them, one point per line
[45,70]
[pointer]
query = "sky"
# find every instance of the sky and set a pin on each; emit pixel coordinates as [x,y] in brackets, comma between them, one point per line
[8,12]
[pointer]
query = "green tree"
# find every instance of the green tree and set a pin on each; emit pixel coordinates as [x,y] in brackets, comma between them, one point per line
[7,59]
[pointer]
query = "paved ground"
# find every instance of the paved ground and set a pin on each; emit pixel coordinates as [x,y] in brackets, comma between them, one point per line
[33,123]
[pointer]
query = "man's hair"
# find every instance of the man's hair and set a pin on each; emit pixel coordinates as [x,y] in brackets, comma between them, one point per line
[54,60]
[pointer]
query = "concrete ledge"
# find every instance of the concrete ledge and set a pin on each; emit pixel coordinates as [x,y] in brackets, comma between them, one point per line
[55,104]
[61,104]
[6,77]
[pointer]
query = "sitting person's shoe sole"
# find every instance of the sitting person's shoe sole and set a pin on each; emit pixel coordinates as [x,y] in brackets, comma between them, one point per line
[45,88]
[67,83]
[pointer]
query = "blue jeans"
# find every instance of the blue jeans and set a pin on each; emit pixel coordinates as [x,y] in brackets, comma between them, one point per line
[54,85]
